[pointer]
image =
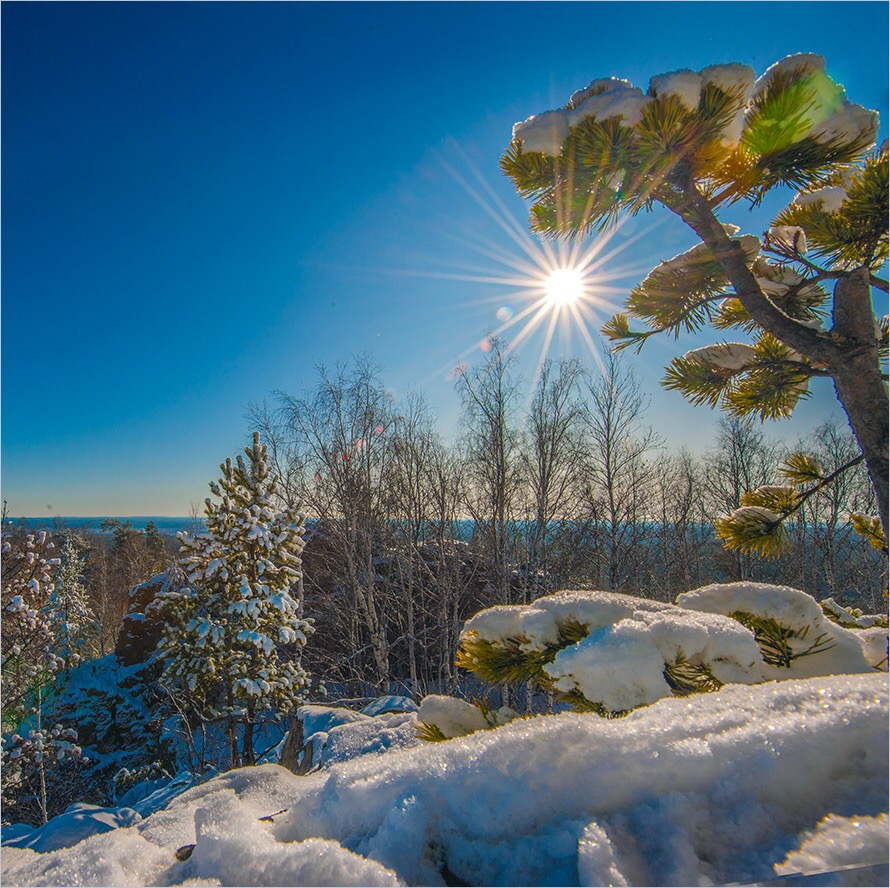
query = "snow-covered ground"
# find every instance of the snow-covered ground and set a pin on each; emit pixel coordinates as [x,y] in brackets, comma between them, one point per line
[736,786]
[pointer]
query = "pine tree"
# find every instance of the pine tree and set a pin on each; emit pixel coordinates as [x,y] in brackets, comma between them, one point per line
[701,142]
[233,634]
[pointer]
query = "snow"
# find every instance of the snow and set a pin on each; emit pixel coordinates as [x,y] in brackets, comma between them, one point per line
[734,77]
[708,789]
[76,823]
[390,703]
[603,84]
[848,618]
[793,609]
[807,63]
[838,842]
[791,236]
[543,132]
[832,198]
[734,356]
[686,85]
[622,666]
[453,717]
[625,102]
[848,122]
[373,736]
[874,643]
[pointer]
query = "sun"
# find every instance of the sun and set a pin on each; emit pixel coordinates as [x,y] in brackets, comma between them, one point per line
[564,287]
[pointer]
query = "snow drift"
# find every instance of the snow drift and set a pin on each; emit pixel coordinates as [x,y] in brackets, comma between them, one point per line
[714,788]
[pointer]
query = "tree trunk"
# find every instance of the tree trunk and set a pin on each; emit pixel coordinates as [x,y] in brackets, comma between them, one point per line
[858,381]
[849,351]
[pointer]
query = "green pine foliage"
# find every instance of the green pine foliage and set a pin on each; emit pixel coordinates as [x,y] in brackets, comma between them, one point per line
[781,645]
[794,128]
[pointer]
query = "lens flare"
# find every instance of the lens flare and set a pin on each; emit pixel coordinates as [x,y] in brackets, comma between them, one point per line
[504,313]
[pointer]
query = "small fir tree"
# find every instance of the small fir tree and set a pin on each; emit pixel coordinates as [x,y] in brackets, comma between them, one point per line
[234,633]
[75,626]
[700,142]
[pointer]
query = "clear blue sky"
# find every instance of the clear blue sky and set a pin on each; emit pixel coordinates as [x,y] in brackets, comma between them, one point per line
[202,201]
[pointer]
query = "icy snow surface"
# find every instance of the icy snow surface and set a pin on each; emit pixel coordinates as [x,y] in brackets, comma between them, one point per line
[708,789]
[839,842]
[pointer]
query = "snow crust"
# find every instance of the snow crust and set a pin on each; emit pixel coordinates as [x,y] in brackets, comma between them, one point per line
[874,643]
[390,703]
[76,823]
[708,789]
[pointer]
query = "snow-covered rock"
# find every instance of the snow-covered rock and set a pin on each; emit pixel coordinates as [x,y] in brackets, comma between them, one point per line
[708,789]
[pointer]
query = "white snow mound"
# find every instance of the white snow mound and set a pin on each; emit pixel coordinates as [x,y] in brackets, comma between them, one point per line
[708,789]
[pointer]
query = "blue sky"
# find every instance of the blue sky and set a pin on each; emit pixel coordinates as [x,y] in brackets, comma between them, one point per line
[200,202]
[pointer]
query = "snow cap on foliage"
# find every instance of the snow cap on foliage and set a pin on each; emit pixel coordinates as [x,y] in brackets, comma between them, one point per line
[602,84]
[622,666]
[841,650]
[543,132]
[684,84]
[624,102]
[733,356]
[831,198]
[847,122]
[453,717]
[805,63]
[792,237]
[621,662]
[733,77]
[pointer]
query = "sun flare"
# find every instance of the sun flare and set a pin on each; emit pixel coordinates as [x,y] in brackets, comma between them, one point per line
[564,287]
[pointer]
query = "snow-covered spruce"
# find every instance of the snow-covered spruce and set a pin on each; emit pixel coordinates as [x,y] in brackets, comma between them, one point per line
[241,606]
[722,788]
